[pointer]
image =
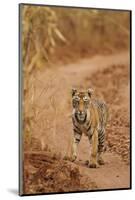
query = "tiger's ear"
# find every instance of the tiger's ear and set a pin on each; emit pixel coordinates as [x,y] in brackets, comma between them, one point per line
[73,91]
[90,92]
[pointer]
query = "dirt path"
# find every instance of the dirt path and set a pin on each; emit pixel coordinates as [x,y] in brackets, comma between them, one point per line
[115,173]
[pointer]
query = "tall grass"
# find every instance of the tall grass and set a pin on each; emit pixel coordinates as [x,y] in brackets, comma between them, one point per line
[49,32]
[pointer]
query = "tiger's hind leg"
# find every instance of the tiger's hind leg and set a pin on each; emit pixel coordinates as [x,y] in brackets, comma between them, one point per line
[101,146]
[100,159]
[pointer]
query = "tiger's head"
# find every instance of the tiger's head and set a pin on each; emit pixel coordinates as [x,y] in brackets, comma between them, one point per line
[80,103]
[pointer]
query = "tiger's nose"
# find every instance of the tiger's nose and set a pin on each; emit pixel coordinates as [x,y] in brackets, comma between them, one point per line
[81,112]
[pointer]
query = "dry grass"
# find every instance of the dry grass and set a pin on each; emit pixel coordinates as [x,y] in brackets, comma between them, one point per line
[39,28]
[48,33]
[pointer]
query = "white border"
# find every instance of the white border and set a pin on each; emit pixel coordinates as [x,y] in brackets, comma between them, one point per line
[9,98]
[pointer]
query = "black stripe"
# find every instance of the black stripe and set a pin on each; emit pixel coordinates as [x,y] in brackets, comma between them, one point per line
[89,128]
[85,118]
[101,136]
[88,123]
[77,118]
[101,141]
[78,140]
[101,133]
[77,128]
[76,131]
[90,136]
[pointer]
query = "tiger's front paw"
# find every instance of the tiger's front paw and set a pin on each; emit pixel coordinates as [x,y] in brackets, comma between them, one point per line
[93,165]
[73,158]
[101,161]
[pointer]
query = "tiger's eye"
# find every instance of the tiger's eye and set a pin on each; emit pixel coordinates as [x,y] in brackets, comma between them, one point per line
[85,99]
[77,99]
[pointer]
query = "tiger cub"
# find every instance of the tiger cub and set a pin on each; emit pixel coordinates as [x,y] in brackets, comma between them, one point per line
[89,116]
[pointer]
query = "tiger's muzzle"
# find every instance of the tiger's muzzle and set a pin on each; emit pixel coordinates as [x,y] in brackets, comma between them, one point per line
[81,116]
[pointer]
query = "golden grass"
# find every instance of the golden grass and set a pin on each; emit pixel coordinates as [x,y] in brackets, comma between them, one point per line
[47,30]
